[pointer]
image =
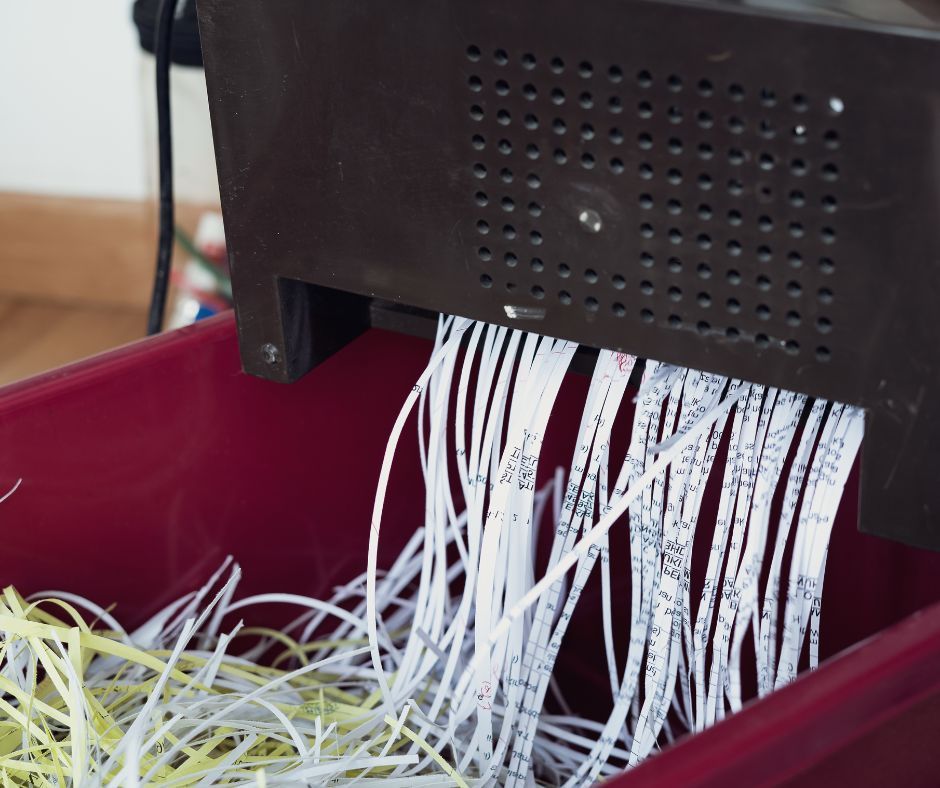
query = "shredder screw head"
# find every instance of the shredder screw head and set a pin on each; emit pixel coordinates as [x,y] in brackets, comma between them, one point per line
[590,220]
[270,354]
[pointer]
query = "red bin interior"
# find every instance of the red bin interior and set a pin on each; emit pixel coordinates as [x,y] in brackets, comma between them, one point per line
[144,467]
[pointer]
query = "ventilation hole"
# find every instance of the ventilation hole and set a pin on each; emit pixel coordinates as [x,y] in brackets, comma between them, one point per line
[794,289]
[675,146]
[501,57]
[735,125]
[765,224]
[734,248]
[531,122]
[674,207]
[557,65]
[476,112]
[615,74]
[798,167]
[735,187]
[618,309]
[508,204]
[826,265]
[591,304]
[704,182]
[829,204]
[675,294]
[564,270]
[646,287]
[763,282]
[734,277]
[765,193]
[762,341]
[732,333]
[675,321]
[646,230]
[616,136]
[587,133]
[559,156]
[486,280]
[796,230]
[564,297]
[764,253]
[702,327]
[793,318]
[704,270]
[535,238]
[644,109]
[473,53]
[823,353]
[481,199]
[766,129]
[585,69]
[475,84]
[509,232]
[644,79]
[736,92]
[733,306]
[704,241]
[532,151]
[705,87]
[535,209]
[799,134]
[767,97]
[558,96]
[479,170]
[587,161]
[479,142]
[528,61]
[485,254]
[735,157]
[529,91]
[734,218]
[646,201]
[510,259]
[537,292]
[704,300]
[763,312]
[586,100]
[828,235]
[618,282]
[674,114]
[614,105]
[674,82]
[537,265]
[830,172]
[590,276]
[646,260]
[503,117]
[559,126]
[766,161]
[645,141]
[674,264]
[616,166]
[825,295]
[483,227]
[675,236]
[502,87]
[705,120]
[504,147]
[823,325]
[645,171]
[792,347]
[795,259]
[533,181]
[646,315]
[705,151]
[831,139]
[800,103]
[797,199]
[836,105]
[674,176]
[705,212]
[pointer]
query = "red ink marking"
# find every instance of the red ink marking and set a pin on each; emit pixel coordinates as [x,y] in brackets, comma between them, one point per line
[622,359]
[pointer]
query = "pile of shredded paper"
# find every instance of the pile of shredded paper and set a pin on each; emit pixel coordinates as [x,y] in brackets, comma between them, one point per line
[439,670]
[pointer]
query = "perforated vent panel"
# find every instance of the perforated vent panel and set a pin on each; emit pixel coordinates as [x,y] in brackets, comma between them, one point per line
[730,189]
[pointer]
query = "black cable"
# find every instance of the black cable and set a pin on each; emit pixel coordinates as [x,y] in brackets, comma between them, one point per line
[162,42]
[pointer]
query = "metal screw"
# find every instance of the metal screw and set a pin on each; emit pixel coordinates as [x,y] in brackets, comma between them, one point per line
[270,354]
[590,220]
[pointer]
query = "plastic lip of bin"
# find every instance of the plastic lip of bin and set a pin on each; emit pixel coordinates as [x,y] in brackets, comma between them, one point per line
[144,467]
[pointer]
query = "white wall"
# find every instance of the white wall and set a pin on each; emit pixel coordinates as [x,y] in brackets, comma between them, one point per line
[76,105]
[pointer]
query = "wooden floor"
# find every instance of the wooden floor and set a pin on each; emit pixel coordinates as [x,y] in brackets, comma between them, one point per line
[36,336]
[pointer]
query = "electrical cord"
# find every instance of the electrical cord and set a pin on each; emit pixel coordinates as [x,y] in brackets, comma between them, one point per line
[162,45]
